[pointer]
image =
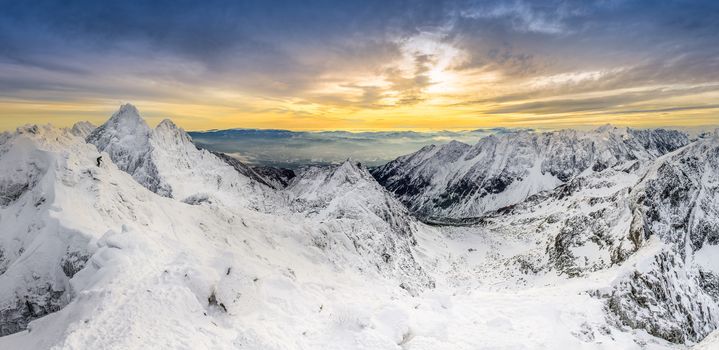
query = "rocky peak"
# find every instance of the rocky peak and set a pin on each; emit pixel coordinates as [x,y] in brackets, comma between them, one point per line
[349,171]
[606,127]
[610,129]
[167,124]
[453,150]
[328,181]
[128,117]
[126,138]
[454,144]
[169,131]
[123,124]
[346,194]
[127,110]
[82,129]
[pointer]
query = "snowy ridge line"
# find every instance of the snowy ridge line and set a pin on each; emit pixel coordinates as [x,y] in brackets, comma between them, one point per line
[458,180]
[155,244]
[141,240]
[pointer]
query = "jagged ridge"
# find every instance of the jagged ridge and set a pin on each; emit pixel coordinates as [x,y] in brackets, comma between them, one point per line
[457,180]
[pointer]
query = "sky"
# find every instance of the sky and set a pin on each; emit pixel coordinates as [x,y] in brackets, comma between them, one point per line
[362,65]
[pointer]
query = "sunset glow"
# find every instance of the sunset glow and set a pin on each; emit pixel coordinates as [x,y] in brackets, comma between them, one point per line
[312,66]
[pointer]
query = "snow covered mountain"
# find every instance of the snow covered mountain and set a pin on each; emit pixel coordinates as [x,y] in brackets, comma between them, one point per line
[126,138]
[674,293]
[82,129]
[86,245]
[345,198]
[644,235]
[457,180]
[136,239]
[165,161]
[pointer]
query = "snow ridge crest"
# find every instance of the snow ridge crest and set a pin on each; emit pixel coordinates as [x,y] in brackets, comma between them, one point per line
[126,139]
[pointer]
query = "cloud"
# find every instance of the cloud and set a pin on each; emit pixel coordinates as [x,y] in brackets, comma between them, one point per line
[523,16]
[609,104]
[344,61]
[665,110]
[292,149]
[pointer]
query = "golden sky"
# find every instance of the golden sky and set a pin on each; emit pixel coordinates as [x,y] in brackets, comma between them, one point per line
[367,66]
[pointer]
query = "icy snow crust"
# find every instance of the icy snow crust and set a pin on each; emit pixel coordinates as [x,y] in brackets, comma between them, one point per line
[164,246]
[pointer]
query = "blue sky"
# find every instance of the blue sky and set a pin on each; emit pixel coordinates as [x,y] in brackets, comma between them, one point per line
[362,65]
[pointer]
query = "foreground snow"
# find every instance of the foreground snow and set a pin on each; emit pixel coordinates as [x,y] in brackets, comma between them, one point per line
[199,257]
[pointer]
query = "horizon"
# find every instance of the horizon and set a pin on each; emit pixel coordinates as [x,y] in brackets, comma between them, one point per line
[363,66]
[98,120]
[293,149]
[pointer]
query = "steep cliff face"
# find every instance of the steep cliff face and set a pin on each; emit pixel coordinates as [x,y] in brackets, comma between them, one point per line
[665,297]
[125,137]
[38,253]
[675,295]
[193,173]
[458,181]
[276,178]
[679,198]
[165,161]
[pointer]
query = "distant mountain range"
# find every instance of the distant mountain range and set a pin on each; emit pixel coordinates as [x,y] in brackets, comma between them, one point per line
[293,149]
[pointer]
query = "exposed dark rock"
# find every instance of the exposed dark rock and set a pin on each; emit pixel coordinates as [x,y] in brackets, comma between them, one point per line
[197,199]
[212,301]
[665,301]
[276,176]
[73,262]
[35,303]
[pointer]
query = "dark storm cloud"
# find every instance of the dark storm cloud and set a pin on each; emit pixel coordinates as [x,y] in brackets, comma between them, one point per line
[202,30]
[238,44]
[660,40]
[251,35]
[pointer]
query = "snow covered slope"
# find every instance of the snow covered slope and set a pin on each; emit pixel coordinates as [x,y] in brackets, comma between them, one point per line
[646,233]
[82,129]
[709,343]
[165,161]
[115,262]
[126,138]
[38,255]
[674,293]
[269,176]
[457,180]
[194,174]
[92,255]
[345,198]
